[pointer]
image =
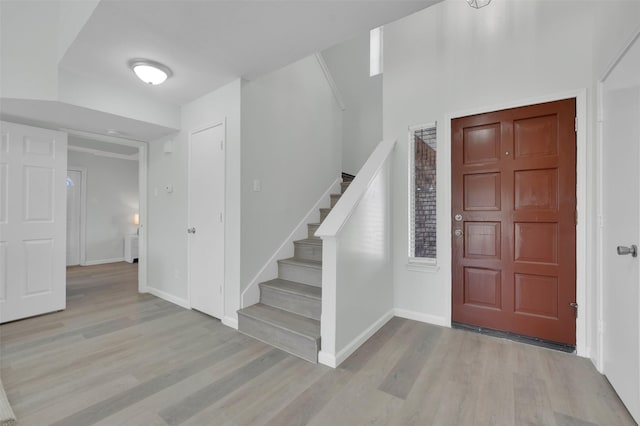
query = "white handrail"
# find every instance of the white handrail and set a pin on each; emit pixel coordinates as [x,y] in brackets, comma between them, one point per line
[345,206]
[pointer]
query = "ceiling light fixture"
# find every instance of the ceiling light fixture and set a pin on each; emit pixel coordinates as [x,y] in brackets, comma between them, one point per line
[150,72]
[477,4]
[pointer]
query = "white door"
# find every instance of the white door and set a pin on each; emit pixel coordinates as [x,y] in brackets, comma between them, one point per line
[621,211]
[206,227]
[74,191]
[33,170]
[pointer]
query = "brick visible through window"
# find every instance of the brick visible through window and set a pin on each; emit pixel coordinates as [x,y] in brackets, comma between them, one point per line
[423,203]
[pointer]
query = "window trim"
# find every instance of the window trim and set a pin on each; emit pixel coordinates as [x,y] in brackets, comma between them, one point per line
[417,263]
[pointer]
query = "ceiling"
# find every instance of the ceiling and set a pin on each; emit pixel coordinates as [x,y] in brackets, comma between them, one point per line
[208,44]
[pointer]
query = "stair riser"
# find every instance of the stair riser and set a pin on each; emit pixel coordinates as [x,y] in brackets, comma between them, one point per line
[290,342]
[311,230]
[334,199]
[344,186]
[308,251]
[323,214]
[300,274]
[295,303]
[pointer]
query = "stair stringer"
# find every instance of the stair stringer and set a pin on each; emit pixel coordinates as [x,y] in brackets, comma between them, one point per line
[251,294]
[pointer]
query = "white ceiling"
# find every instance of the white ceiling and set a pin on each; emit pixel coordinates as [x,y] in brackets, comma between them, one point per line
[210,43]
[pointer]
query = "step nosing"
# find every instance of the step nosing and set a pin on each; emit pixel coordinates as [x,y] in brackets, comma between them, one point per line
[280,326]
[309,241]
[302,262]
[280,283]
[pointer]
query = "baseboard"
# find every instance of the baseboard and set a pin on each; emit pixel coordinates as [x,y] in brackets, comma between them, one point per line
[325,358]
[333,361]
[103,261]
[419,316]
[184,303]
[230,322]
[251,294]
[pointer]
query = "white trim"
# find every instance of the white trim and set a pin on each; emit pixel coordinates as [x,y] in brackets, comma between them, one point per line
[330,360]
[230,322]
[101,153]
[83,212]
[327,73]
[598,362]
[168,297]
[251,294]
[584,322]
[195,130]
[422,317]
[103,261]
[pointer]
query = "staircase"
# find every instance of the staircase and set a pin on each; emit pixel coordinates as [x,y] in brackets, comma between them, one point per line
[288,314]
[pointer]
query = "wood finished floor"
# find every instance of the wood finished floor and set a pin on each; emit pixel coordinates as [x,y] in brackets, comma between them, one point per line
[116,357]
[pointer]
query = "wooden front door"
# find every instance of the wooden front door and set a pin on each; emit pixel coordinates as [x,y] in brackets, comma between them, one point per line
[513,218]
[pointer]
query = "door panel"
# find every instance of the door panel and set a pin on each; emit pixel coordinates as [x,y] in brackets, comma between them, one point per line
[206,208]
[33,166]
[513,176]
[621,210]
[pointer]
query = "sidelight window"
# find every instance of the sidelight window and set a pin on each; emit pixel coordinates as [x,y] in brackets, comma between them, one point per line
[422,194]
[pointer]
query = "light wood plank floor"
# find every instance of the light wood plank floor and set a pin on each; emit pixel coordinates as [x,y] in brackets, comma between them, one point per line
[116,357]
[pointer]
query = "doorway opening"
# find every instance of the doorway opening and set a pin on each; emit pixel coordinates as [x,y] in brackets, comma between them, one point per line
[106,207]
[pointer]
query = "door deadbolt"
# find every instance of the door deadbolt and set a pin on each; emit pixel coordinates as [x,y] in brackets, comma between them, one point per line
[623,250]
[458,218]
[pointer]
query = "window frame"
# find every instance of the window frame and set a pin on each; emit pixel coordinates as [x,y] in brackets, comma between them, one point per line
[413,262]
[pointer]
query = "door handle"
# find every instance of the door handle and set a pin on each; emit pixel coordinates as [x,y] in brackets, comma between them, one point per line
[191,230]
[633,250]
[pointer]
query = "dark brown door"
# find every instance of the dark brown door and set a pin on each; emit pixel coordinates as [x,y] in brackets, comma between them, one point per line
[513,215]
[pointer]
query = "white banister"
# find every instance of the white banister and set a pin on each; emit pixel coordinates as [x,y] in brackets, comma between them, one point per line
[345,206]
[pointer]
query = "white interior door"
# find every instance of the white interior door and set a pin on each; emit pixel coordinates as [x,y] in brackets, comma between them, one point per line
[74,192]
[206,215]
[33,170]
[621,211]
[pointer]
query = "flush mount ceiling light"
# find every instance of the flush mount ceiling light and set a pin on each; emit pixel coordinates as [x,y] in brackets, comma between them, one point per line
[477,4]
[150,72]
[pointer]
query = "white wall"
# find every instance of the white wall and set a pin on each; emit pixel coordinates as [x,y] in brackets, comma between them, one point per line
[291,128]
[167,219]
[96,95]
[29,45]
[112,200]
[362,96]
[449,59]
[357,260]
[72,17]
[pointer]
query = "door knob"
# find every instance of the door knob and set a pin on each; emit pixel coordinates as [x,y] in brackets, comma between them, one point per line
[633,250]
[191,231]
[458,233]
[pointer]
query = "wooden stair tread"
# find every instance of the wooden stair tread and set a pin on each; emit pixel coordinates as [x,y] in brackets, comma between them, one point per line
[302,326]
[310,241]
[305,290]
[314,264]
